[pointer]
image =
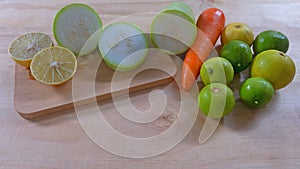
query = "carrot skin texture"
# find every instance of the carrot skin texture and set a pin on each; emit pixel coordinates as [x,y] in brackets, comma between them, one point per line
[210,25]
[211,22]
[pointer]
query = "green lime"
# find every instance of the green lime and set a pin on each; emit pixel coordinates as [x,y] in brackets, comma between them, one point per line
[73,25]
[256,92]
[270,40]
[216,70]
[237,31]
[216,100]
[238,53]
[274,66]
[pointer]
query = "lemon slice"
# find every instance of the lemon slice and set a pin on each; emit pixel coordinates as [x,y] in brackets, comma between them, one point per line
[54,65]
[24,47]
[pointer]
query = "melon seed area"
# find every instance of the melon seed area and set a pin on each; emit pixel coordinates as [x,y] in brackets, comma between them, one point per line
[79,31]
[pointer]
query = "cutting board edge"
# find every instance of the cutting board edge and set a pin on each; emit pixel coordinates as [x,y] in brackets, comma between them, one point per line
[70,105]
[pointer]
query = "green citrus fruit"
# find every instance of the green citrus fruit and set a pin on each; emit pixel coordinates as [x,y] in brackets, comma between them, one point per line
[73,25]
[274,66]
[238,53]
[216,70]
[256,92]
[270,40]
[216,100]
[237,31]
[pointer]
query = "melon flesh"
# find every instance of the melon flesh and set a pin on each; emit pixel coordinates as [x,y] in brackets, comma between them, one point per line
[74,25]
[123,46]
[173,29]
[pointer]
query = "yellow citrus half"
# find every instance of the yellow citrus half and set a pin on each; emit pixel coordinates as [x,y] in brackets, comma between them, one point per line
[54,65]
[24,47]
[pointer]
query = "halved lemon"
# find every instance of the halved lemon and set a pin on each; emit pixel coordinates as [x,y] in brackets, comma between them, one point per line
[54,65]
[24,47]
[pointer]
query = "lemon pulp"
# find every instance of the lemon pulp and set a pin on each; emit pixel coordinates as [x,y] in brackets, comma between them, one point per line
[54,65]
[24,47]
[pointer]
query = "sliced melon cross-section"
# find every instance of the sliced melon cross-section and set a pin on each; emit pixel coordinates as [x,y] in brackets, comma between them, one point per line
[173,30]
[123,46]
[73,25]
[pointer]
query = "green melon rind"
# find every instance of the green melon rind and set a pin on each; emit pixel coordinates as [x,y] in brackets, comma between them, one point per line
[180,7]
[124,68]
[61,11]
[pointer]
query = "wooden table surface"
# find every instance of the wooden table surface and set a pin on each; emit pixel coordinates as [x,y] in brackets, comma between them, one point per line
[263,138]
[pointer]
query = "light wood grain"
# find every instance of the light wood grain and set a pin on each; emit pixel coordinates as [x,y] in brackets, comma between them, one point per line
[33,99]
[263,138]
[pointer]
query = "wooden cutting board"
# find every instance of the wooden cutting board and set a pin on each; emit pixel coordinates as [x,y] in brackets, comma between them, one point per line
[33,99]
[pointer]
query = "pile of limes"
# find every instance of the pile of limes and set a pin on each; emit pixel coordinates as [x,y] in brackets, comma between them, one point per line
[270,69]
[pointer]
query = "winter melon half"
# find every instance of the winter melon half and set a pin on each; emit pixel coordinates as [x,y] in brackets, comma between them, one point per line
[123,46]
[173,29]
[73,25]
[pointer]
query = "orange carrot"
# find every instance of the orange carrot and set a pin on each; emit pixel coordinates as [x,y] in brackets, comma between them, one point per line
[210,25]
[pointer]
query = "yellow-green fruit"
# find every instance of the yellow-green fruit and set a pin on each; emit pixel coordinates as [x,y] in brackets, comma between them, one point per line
[237,31]
[216,70]
[274,66]
[216,100]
